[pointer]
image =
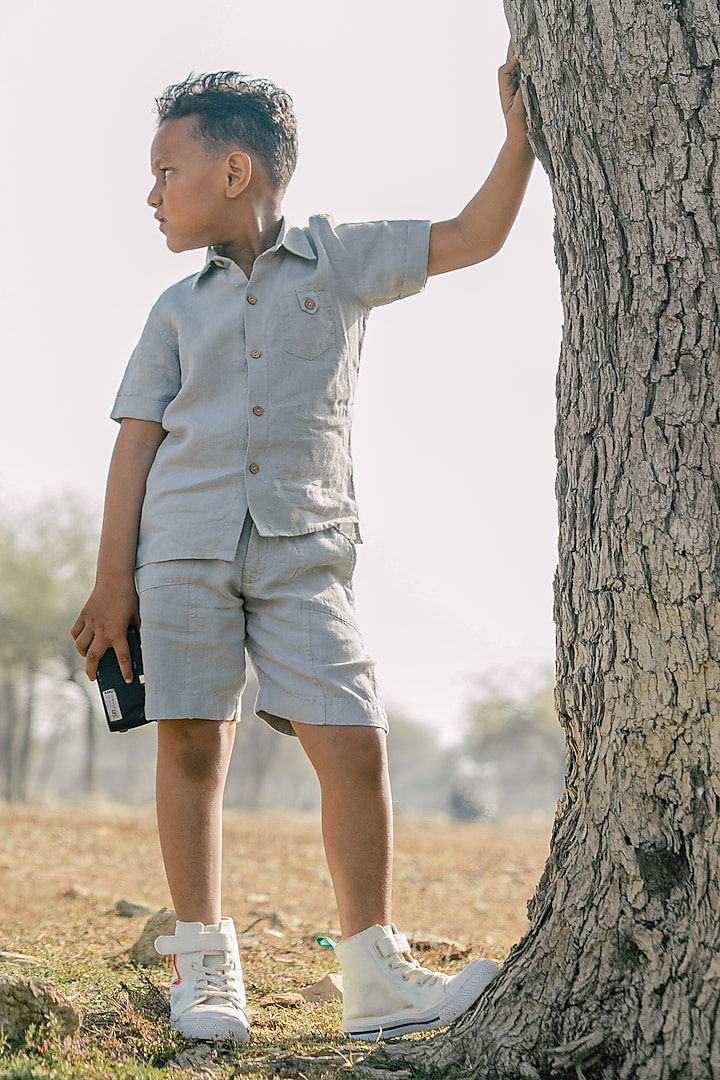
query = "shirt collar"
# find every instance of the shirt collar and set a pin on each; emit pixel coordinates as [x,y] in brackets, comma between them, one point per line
[293,239]
[297,241]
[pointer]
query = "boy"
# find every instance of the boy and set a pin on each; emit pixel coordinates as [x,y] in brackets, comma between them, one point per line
[230,509]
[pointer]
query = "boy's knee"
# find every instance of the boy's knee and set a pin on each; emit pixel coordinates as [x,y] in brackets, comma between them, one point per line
[197,747]
[350,752]
[368,744]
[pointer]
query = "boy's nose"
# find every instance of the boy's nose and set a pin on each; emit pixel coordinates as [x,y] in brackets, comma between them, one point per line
[153,198]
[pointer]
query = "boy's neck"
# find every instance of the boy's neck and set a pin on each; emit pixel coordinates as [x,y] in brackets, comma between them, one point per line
[256,235]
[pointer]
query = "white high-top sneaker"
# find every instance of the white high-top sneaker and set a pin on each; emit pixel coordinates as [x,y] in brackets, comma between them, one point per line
[207,994]
[386,993]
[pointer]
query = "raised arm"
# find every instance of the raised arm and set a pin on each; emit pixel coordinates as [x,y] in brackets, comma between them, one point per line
[113,604]
[480,230]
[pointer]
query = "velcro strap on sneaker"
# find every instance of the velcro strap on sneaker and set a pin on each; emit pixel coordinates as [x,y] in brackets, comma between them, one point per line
[394,943]
[172,945]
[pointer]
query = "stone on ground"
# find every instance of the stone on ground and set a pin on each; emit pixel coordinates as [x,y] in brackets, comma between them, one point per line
[329,988]
[143,951]
[25,1003]
[129,909]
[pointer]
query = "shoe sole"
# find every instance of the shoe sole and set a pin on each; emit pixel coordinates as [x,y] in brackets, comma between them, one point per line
[465,990]
[209,1030]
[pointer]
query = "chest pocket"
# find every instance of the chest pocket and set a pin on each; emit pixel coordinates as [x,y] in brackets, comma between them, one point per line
[308,323]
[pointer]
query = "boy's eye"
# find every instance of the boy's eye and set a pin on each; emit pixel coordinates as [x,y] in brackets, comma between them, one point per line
[164,172]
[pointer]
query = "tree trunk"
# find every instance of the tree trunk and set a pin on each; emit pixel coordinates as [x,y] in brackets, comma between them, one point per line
[619,973]
[25,739]
[91,726]
[9,713]
[16,715]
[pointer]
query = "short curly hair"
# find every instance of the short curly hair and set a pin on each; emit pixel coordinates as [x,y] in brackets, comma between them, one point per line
[235,110]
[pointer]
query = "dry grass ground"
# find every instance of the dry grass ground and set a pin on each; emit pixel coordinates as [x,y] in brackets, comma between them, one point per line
[62,872]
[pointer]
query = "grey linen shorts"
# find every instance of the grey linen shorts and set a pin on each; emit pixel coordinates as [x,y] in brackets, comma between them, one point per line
[287,601]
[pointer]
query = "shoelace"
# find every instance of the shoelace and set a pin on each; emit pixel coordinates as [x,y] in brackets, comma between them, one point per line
[216,983]
[416,973]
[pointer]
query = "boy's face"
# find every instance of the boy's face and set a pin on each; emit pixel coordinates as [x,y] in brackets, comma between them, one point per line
[189,193]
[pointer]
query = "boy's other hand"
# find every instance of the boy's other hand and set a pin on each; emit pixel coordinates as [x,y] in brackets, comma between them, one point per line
[103,624]
[511,98]
[480,230]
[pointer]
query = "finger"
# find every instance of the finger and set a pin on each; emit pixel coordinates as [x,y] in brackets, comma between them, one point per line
[511,60]
[122,651]
[83,639]
[93,657]
[508,90]
[98,649]
[509,81]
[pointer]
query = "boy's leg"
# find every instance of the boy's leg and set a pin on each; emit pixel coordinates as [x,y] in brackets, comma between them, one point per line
[207,996]
[385,991]
[192,766]
[316,678]
[351,764]
[194,651]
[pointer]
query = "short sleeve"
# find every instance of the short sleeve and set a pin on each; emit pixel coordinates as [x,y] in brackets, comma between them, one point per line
[387,260]
[152,376]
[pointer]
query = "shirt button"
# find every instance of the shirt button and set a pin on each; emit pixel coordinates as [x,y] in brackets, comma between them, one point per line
[256,354]
[254,468]
[258,410]
[310,304]
[252,299]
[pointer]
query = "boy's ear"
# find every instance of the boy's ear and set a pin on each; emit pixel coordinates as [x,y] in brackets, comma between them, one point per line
[238,173]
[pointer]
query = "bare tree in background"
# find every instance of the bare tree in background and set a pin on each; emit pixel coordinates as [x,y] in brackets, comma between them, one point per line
[46,567]
[24,645]
[618,976]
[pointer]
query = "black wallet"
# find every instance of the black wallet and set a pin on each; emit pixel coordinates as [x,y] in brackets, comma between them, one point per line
[124,703]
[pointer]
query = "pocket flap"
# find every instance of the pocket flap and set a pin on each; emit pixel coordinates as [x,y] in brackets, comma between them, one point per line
[308,300]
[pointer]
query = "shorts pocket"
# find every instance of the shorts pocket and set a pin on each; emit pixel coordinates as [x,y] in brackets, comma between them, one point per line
[308,323]
[340,665]
[157,575]
[348,546]
[333,634]
[328,551]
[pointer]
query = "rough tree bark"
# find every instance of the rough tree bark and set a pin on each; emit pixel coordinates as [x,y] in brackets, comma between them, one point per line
[619,973]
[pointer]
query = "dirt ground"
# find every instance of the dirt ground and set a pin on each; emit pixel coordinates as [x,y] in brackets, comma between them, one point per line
[461,892]
[61,866]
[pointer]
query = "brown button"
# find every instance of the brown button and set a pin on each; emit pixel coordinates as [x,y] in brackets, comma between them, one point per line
[252,299]
[310,304]
[256,354]
[254,468]
[258,410]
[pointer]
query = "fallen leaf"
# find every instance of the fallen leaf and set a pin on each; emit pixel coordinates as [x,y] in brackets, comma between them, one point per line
[285,1001]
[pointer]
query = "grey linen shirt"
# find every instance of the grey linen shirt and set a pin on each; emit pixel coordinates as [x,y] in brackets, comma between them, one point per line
[253,381]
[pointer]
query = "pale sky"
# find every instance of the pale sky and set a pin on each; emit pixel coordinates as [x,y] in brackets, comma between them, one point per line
[398,117]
